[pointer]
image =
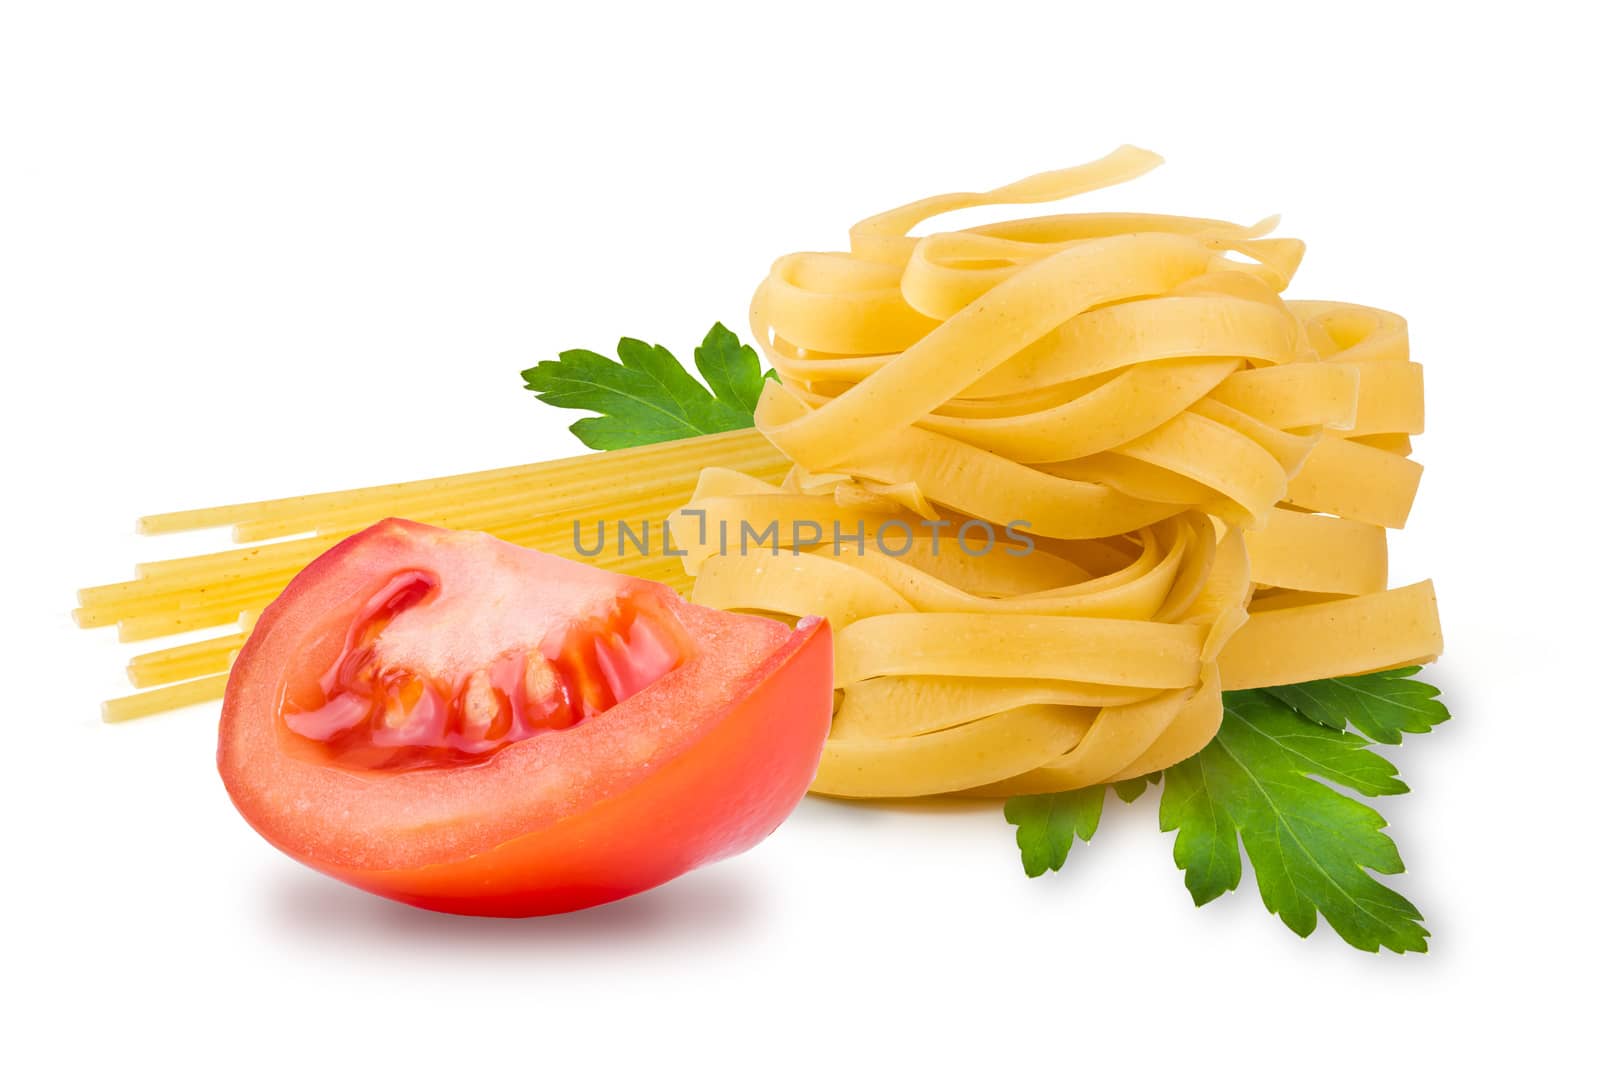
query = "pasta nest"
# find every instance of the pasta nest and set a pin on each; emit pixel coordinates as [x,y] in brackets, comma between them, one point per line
[1060,480]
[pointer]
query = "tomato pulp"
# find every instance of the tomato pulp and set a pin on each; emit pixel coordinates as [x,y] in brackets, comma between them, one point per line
[469,726]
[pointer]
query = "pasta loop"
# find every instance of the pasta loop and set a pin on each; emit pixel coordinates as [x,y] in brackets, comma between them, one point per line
[1058,481]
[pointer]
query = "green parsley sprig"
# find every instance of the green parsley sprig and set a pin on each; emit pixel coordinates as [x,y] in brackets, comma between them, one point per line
[646,396]
[1278,777]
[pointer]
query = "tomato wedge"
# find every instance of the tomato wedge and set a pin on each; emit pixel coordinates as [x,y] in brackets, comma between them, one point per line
[464,725]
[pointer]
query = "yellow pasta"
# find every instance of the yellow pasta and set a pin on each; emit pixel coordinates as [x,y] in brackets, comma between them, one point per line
[536,505]
[1184,449]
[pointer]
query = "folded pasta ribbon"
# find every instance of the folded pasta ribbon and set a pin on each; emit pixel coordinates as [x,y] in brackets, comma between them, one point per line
[1058,481]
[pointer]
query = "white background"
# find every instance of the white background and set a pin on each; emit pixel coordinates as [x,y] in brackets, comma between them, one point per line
[258,249]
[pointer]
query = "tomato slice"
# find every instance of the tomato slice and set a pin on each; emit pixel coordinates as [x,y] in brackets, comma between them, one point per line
[465,725]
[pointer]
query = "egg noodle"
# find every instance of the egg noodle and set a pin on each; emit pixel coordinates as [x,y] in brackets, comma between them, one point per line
[1206,471]
[1192,477]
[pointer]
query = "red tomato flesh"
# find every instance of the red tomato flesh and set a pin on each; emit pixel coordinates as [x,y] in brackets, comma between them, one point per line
[468,726]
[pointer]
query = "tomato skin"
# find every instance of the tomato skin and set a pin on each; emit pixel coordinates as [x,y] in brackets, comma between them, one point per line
[719,798]
[701,764]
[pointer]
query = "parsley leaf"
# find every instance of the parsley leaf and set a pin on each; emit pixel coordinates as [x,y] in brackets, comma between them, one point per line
[1313,848]
[646,396]
[1047,824]
[733,370]
[1134,788]
[1268,779]
[1382,706]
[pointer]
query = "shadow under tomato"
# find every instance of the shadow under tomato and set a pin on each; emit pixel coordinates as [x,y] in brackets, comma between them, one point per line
[716,902]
